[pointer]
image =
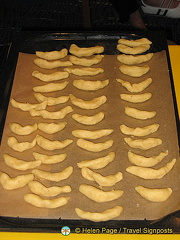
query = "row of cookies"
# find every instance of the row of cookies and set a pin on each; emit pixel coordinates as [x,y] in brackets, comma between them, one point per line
[133,55]
[40,191]
[85,141]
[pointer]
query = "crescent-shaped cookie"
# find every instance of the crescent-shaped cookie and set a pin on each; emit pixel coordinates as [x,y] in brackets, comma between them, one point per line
[100,216]
[52,55]
[85,51]
[86,61]
[106,181]
[88,120]
[139,131]
[94,147]
[135,87]
[134,42]
[51,101]
[134,71]
[43,63]
[136,98]
[51,115]
[134,59]
[91,104]
[40,202]
[143,144]
[139,114]
[49,159]
[154,194]
[150,173]
[97,163]
[52,145]
[11,183]
[90,85]
[20,164]
[55,76]
[23,130]
[84,71]
[88,134]
[142,161]
[53,176]
[51,128]
[99,195]
[20,146]
[40,189]
[50,87]
[28,106]
[133,50]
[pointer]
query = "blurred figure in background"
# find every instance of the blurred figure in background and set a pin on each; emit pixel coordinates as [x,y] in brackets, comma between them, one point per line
[128,10]
[166,8]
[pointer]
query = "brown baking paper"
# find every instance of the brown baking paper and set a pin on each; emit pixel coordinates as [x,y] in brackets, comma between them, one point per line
[134,206]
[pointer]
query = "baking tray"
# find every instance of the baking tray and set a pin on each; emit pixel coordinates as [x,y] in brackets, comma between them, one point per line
[29,42]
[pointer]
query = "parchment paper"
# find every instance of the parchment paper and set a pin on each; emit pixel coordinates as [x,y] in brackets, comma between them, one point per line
[134,206]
